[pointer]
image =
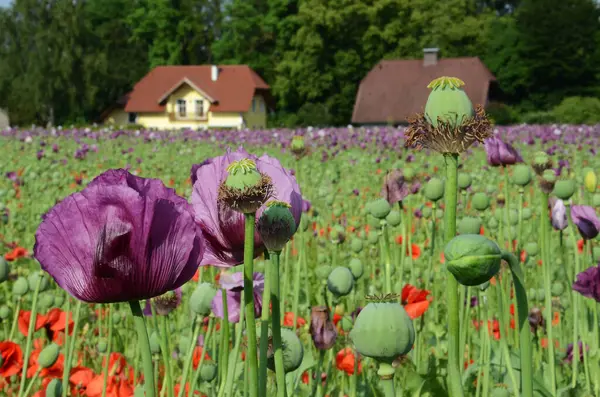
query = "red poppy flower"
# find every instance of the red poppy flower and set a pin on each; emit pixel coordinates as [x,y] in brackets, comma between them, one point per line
[23,322]
[482,230]
[336,318]
[115,387]
[580,244]
[12,359]
[54,371]
[42,391]
[415,301]
[288,320]
[79,380]
[198,355]
[494,329]
[344,361]
[18,252]
[187,390]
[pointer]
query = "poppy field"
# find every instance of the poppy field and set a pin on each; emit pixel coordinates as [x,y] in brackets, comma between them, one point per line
[318,262]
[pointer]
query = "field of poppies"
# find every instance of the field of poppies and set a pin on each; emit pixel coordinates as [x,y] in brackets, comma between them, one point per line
[317,262]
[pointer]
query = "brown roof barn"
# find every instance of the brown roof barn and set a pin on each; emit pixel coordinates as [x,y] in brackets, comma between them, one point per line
[231,92]
[395,90]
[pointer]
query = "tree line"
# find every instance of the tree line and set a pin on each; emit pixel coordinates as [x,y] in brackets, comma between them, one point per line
[65,61]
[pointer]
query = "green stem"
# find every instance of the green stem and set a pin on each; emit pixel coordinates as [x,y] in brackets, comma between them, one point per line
[450,199]
[504,335]
[33,380]
[264,333]
[164,348]
[30,331]
[296,297]
[224,346]
[525,347]
[189,358]
[575,298]
[386,379]
[144,343]
[317,380]
[67,367]
[13,327]
[71,349]
[197,372]
[506,210]
[107,353]
[228,389]
[251,356]
[276,325]
[520,225]
[385,244]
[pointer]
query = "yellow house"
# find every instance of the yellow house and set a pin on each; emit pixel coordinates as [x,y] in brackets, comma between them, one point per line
[206,96]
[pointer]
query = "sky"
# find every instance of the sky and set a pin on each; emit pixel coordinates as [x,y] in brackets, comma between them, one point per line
[4,3]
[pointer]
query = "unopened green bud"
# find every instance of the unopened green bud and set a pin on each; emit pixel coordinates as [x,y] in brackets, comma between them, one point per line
[20,287]
[481,201]
[208,372]
[373,238]
[48,355]
[427,212]
[340,281]
[293,352]
[409,174]
[356,268]
[557,288]
[493,223]
[469,225]
[338,211]
[59,300]
[394,218]
[513,217]
[521,175]
[448,102]
[323,271]
[472,259]
[46,301]
[201,299]
[532,248]
[154,343]
[102,346]
[564,189]
[464,181]
[383,331]
[54,388]
[541,294]
[4,312]
[276,225]
[356,245]
[527,213]
[4,269]
[590,181]
[33,278]
[379,208]
[434,189]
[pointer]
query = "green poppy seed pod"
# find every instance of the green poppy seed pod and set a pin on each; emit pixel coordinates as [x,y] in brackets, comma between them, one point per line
[304,223]
[20,287]
[500,200]
[541,162]
[184,343]
[245,189]
[297,145]
[347,324]
[547,181]
[595,255]
[541,294]
[394,218]
[373,222]
[338,234]
[330,200]
[500,392]
[46,301]
[32,280]
[373,238]
[532,293]
[596,200]
[480,201]
[521,175]
[590,181]
[276,225]
[356,245]
[4,312]
[527,213]
[490,189]
[564,189]
[427,212]
[409,174]
[379,208]
[469,225]
[201,299]
[557,288]
[59,300]
[434,189]
[48,355]
[472,259]
[293,352]
[322,258]
[323,271]
[356,268]
[448,103]
[208,372]
[4,269]
[532,248]
[116,318]
[54,388]
[340,281]
[464,180]
[154,343]
[513,217]
[439,213]
[102,346]
[383,331]
[493,223]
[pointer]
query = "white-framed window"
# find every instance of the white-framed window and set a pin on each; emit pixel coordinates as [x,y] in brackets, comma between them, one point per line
[199,108]
[253,105]
[181,111]
[261,106]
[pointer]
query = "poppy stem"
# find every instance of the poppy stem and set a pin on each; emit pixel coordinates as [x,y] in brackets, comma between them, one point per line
[144,343]
[317,381]
[264,333]
[450,200]
[107,353]
[209,332]
[190,356]
[576,296]
[386,377]
[30,331]
[71,348]
[385,245]
[276,325]
[525,347]
[33,380]
[250,221]
[67,367]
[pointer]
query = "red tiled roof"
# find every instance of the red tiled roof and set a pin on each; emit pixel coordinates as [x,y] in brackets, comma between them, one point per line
[233,90]
[397,89]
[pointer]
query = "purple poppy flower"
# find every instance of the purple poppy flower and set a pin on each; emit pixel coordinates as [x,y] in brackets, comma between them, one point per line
[223,227]
[121,238]
[569,354]
[501,153]
[40,154]
[586,220]
[395,187]
[355,192]
[163,304]
[306,205]
[322,329]
[234,285]
[588,283]
[559,215]
[55,148]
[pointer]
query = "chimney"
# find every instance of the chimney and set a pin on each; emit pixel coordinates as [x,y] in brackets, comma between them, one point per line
[430,56]
[214,72]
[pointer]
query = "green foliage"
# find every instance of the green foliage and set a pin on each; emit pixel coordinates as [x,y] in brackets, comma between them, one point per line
[578,110]
[501,113]
[538,117]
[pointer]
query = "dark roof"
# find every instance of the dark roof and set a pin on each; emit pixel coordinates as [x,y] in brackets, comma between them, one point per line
[397,89]
[232,92]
